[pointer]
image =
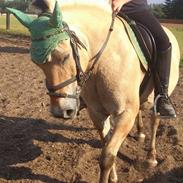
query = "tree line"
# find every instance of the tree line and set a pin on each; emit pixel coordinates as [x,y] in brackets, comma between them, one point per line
[23,5]
[171,9]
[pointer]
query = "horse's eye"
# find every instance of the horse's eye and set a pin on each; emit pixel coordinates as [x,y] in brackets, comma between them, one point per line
[65,58]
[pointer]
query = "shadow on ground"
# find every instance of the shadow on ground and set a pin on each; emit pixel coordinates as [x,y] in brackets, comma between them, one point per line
[17,145]
[172,176]
[9,49]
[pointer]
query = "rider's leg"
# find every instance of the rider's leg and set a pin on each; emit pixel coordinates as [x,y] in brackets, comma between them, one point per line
[164,106]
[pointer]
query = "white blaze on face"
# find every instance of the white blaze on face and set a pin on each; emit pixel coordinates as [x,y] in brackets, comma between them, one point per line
[50,4]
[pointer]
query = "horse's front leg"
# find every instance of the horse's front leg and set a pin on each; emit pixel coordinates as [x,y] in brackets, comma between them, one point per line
[155,120]
[103,125]
[122,125]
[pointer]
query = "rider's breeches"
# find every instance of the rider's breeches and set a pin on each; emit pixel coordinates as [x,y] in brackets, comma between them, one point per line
[147,19]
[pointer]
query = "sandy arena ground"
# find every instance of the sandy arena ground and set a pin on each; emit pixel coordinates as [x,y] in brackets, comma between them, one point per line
[36,147]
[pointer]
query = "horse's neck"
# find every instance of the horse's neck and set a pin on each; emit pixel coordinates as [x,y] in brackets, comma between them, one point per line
[90,22]
[92,25]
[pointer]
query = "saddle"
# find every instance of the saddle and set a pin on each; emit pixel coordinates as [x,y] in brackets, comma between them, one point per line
[148,47]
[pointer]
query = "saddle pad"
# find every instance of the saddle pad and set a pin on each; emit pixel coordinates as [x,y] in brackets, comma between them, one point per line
[135,43]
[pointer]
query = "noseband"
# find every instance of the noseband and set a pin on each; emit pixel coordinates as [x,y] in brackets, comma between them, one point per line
[80,77]
[52,89]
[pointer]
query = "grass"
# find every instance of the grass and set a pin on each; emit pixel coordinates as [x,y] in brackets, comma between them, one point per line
[178,32]
[18,29]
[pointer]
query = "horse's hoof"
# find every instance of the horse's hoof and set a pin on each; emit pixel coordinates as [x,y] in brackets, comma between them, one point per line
[152,163]
[113,178]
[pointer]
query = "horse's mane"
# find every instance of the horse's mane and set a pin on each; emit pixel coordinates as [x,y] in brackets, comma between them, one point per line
[49,4]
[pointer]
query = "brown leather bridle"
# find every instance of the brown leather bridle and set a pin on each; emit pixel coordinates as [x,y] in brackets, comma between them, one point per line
[81,76]
[75,43]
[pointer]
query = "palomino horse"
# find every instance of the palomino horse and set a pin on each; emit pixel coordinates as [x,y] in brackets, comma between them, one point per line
[111,93]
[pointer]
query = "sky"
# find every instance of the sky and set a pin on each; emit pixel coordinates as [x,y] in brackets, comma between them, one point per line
[156,1]
[104,1]
[149,1]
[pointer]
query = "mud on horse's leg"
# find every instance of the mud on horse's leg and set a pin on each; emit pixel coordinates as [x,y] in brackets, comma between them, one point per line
[123,123]
[155,120]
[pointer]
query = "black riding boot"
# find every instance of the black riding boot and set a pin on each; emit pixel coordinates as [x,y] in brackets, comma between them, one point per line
[164,106]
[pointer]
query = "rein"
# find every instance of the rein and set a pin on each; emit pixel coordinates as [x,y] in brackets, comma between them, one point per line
[98,55]
[81,76]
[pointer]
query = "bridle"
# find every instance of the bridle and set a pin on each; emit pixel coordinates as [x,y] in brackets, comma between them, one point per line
[75,43]
[81,76]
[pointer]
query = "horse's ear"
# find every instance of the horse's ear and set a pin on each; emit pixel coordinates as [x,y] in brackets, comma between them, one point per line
[56,19]
[22,17]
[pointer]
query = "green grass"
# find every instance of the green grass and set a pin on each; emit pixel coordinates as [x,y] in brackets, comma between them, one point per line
[178,32]
[17,29]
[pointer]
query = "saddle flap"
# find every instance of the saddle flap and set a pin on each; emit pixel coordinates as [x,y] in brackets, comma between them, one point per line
[142,41]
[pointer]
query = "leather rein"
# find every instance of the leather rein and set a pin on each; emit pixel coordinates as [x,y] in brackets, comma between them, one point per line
[81,76]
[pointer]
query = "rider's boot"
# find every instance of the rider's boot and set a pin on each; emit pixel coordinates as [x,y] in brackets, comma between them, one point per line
[164,106]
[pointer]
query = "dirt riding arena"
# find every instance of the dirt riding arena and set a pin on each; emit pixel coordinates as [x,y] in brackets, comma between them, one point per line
[36,147]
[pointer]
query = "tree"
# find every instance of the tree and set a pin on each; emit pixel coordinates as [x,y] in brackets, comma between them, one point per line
[177,7]
[18,4]
[157,10]
[173,9]
[2,5]
[168,8]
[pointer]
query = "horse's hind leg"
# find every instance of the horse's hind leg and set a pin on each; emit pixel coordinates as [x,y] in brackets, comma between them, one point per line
[155,120]
[140,126]
[123,123]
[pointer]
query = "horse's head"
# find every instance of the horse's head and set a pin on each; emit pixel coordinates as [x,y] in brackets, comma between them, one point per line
[60,72]
[54,49]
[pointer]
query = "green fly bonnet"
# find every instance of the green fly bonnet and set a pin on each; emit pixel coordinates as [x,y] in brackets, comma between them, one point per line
[46,32]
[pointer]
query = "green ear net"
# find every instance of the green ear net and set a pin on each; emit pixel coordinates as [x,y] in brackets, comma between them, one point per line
[56,19]
[22,17]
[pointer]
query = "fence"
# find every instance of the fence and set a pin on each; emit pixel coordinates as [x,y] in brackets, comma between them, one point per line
[7,21]
[171,21]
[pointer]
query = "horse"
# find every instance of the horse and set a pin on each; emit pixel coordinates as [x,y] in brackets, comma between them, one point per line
[111,90]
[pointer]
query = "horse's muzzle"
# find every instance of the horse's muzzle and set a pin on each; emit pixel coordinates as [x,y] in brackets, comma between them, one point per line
[68,113]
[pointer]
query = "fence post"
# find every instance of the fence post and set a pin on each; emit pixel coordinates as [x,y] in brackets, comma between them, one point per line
[7,21]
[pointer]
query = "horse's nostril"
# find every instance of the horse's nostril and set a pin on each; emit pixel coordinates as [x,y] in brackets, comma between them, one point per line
[63,113]
[70,112]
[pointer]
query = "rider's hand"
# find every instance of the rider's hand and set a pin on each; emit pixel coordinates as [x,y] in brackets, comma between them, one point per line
[117,4]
